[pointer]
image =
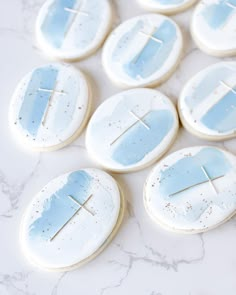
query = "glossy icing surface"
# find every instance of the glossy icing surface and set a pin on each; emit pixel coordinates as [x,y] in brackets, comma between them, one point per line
[213,26]
[71,29]
[208,101]
[132,129]
[143,50]
[193,189]
[49,106]
[70,218]
[167,6]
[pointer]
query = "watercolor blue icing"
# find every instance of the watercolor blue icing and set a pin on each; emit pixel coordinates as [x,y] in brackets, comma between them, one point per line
[35,102]
[208,84]
[218,14]
[58,21]
[138,141]
[187,172]
[222,116]
[58,208]
[154,54]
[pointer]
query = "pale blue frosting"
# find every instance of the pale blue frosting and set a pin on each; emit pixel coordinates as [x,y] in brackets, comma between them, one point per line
[59,208]
[187,172]
[153,55]
[221,117]
[36,102]
[218,14]
[208,84]
[139,141]
[58,21]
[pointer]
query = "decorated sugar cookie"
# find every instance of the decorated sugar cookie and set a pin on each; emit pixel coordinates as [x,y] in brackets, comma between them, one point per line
[50,107]
[192,190]
[132,129]
[72,29]
[213,27]
[72,219]
[167,6]
[207,104]
[143,51]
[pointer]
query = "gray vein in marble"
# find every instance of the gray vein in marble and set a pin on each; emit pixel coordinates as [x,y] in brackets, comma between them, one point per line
[13,191]
[10,283]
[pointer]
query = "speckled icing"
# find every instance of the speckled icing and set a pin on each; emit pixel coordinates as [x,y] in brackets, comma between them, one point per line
[44,119]
[132,129]
[71,29]
[213,26]
[143,50]
[70,219]
[167,6]
[207,104]
[192,190]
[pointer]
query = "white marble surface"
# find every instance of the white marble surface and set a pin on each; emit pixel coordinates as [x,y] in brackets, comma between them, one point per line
[143,259]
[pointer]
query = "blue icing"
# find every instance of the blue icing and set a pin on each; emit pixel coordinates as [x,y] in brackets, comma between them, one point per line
[154,54]
[187,171]
[58,21]
[58,209]
[222,116]
[35,102]
[208,84]
[217,15]
[138,141]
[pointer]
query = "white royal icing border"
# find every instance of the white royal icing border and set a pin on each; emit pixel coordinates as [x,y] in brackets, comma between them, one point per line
[209,90]
[171,8]
[132,129]
[99,220]
[197,207]
[120,62]
[72,47]
[50,136]
[213,37]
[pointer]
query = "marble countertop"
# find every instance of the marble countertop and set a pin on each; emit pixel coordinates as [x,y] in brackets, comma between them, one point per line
[143,259]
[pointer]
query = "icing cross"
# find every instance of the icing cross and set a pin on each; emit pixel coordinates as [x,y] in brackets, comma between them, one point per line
[82,206]
[138,119]
[227,86]
[53,92]
[230,4]
[149,37]
[210,180]
[76,12]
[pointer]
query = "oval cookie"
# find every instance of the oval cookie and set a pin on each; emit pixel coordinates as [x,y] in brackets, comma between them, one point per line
[213,27]
[192,190]
[72,29]
[132,129]
[167,6]
[143,51]
[50,107]
[207,104]
[72,219]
